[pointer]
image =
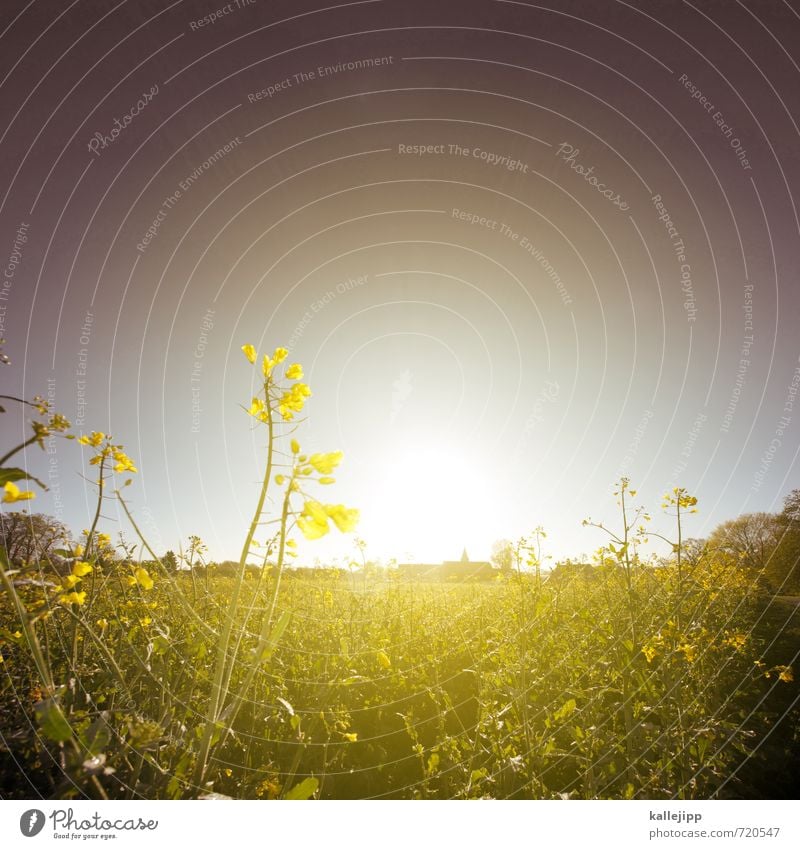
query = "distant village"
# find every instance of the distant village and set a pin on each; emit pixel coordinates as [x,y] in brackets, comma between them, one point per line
[447,570]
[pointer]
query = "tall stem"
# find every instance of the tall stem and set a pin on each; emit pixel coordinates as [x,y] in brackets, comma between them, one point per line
[100,485]
[222,667]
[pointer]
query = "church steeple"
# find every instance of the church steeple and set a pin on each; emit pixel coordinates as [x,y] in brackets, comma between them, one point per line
[464,556]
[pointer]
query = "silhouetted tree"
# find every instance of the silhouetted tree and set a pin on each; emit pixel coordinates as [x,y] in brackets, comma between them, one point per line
[29,537]
[502,555]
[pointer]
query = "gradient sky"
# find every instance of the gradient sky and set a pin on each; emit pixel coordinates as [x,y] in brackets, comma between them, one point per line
[490,338]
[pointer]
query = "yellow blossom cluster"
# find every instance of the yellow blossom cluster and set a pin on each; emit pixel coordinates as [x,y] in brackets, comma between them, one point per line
[735,641]
[100,440]
[313,521]
[80,569]
[679,498]
[291,400]
[140,578]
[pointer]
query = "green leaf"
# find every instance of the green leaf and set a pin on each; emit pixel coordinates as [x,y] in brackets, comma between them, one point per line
[304,790]
[11,475]
[52,721]
[160,645]
[567,709]
[264,651]
[97,736]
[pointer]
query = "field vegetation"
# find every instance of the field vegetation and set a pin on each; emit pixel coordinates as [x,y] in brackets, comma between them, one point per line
[124,674]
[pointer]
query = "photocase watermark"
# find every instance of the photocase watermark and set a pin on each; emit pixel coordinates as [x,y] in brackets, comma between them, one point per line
[498,160]
[311,74]
[402,388]
[32,822]
[528,246]
[679,250]
[64,824]
[10,271]
[547,396]
[688,446]
[718,118]
[496,226]
[744,359]
[153,531]
[633,446]
[782,425]
[206,326]
[569,154]
[100,141]
[341,288]
[82,365]
[222,12]
[184,185]
[51,448]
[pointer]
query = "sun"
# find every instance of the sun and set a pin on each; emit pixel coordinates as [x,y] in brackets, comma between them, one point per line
[430,502]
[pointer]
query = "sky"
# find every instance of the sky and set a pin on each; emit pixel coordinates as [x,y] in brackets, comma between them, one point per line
[520,250]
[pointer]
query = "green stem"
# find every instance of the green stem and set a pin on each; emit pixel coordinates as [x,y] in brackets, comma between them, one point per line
[45,673]
[222,671]
[266,629]
[100,486]
[14,451]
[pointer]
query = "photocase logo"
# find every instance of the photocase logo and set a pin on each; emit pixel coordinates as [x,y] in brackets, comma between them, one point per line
[401,392]
[31,822]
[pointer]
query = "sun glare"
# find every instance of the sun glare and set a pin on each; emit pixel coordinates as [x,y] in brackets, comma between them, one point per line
[431,502]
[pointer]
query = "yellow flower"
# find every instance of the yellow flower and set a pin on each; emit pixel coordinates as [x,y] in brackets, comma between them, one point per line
[280,479]
[143,578]
[649,652]
[326,480]
[80,569]
[294,372]
[736,641]
[103,540]
[383,659]
[343,517]
[94,439]
[124,462]
[72,598]
[280,355]
[351,736]
[256,406]
[13,493]
[326,463]
[102,624]
[689,652]
[292,400]
[69,581]
[313,521]
[295,445]
[249,352]
[786,674]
